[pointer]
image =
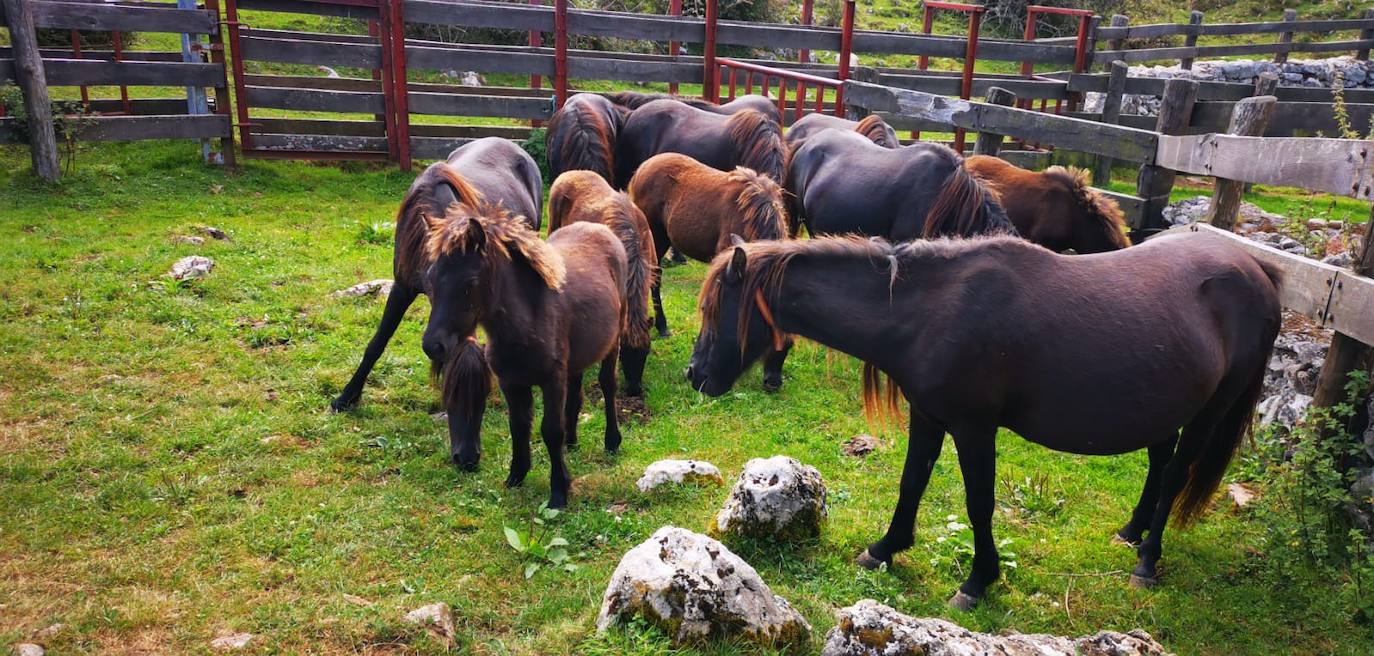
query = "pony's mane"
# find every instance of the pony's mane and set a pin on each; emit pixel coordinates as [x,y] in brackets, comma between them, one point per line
[877,130]
[760,143]
[506,235]
[411,226]
[579,137]
[1107,212]
[760,205]
[966,205]
[635,100]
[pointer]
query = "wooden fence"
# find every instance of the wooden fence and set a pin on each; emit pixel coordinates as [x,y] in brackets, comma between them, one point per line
[1117,34]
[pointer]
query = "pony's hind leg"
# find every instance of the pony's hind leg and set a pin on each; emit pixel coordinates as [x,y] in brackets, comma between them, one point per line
[520,403]
[632,361]
[660,321]
[553,430]
[396,305]
[572,409]
[606,377]
[772,367]
[922,450]
[1134,530]
[977,463]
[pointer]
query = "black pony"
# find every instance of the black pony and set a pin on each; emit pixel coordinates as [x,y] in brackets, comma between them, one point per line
[1090,354]
[872,127]
[581,135]
[840,182]
[632,100]
[490,171]
[746,138]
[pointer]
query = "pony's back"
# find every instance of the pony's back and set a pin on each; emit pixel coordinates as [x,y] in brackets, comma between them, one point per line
[582,134]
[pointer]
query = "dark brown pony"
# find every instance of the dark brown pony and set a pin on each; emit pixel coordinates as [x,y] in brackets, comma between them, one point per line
[872,127]
[745,138]
[583,196]
[1092,354]
[633,100]
[1057,208]
[698,210]
[582,135]
[492,171]
[841,183]
[550,311]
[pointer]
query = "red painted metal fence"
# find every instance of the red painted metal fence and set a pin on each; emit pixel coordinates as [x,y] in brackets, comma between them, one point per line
[975,18]
[801,80]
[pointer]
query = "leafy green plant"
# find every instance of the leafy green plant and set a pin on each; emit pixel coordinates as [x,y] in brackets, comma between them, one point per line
[954,547]
[534,145]
[380,233]
[70,118]
[1032,496]
[538,545]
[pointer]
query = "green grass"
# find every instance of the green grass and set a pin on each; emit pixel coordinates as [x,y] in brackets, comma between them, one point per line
[168,470]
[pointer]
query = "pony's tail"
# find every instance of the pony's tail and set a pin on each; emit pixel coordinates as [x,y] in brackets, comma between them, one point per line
[1204,476]
[578,137]
[965,207]
[878,131]
[463,381]
[640,277]
[759,142]
[881,396]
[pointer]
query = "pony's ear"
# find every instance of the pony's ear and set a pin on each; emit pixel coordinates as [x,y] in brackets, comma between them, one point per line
[736,240]
[476,236]
[734,271]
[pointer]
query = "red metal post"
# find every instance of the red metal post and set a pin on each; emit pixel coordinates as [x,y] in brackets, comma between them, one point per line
[710,82]
[782,97]
[748,82]
[231,18]
[970,58]
[119,56]
[801,100]
[675,9]
[536,80]
[400,90]
[846,51]
[560,52]
[805,55]
[222,101]
[76,54]
[733,75]
[393,135]
[927,22]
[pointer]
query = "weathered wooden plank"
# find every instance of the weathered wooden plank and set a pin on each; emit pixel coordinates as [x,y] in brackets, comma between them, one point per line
[1111,115]
[1142,31]
[297,35]
[628,70]
[1337,166]
[1069,133]
[357,12]
[950,86]
[1352,307]
[532,61]
[142,106]
[318,53]
[108,17]
[473,14]
[1032,160]
[137,128]
[1208,91]
[648,27]
[1248,118]
[74,72]
[502,106]
[771,35]
[1220,29]
[314,82]
[319,126]
[320,142]
[989,143]
[515,133]
[317,100]
[1154,182]
[100,55]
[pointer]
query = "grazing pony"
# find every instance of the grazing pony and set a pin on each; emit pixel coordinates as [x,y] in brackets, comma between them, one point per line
[550,311]
[582,134]
[632,100]
[841,183]
[746,138]
[697,210]
[583,196]
[1057,208]
[872,127]
[1091,354]
[490,171]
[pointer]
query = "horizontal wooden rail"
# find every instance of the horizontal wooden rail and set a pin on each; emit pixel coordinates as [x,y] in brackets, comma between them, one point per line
[1194,52]
[1227,29]
[498,106]
[1208,90]
[1336,166]
[950,86]
[137,128]
[79,72]
[315,100]
[108,18]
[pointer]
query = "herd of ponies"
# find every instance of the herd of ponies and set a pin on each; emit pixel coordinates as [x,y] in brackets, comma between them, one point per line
[984,295]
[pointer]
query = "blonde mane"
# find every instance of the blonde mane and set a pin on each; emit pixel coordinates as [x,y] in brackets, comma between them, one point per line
[1099,206]
[506,234]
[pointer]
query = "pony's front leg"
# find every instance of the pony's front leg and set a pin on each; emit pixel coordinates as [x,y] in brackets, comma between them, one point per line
[772,367]
[552,429]
[1134,530]
[572,409]
[396,305]
[660,321]
[606,377]
[978,463]
[922,450]
[520,403]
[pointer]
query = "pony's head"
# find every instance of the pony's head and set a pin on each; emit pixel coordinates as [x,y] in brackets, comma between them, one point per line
[467,249]
[464,383]
[737,325]
[1095,222]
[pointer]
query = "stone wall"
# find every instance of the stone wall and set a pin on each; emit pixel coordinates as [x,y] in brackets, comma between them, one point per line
[1316,73]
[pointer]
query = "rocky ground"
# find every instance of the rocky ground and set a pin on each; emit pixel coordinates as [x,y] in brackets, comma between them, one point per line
[1316,73]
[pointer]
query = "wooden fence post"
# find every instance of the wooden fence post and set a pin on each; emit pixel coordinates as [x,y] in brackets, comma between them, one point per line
[1190,40]
[1111,114]
[1289,15]
[222,102]
[1153,183]
[989,143]
[1345,354]
[1118,21]
[1365,35]
[33,82]
[1265,85]
[1249,117]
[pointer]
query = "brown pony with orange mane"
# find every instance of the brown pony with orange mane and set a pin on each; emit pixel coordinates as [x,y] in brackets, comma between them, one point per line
[1055,208]
[490,171]
[746,138]
[699,211]
[583,196]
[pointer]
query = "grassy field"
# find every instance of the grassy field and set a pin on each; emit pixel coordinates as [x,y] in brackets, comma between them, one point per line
[169,472]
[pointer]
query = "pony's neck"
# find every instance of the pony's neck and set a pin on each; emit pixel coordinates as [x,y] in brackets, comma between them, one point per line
[844,303]
[511,315]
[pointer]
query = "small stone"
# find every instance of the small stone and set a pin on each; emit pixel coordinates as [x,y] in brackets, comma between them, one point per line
[1343,259]
[191,267]
[215,233]
[439,417]
[435,618]
[774,497]
[1240,494]
[189,240]
[869,628]
[860,445]
[356,600]
[231,642]
[49,632]
[472,79]
[695,588]
[678,472]
[380,287]
[1316,224]
[28,649]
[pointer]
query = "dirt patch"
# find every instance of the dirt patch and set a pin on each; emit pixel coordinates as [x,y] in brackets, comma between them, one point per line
[628,409]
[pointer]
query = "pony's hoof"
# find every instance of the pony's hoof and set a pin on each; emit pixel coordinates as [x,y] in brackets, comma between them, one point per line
[963,602]
[464,466]
[515,480]
[772,386]
[1143,582]
[342,404]
[867,561]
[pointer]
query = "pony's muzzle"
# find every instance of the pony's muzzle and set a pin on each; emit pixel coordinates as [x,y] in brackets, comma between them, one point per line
[435,348]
